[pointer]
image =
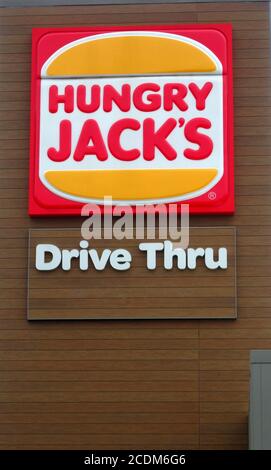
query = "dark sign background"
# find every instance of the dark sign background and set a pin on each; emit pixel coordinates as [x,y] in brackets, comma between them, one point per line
[135,293]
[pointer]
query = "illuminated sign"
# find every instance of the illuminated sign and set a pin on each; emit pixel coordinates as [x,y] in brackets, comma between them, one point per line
[142,115]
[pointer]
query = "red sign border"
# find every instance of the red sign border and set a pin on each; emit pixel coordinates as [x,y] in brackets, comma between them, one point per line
[74,208]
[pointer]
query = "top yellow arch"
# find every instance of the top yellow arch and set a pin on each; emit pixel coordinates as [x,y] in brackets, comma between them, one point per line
[136,54]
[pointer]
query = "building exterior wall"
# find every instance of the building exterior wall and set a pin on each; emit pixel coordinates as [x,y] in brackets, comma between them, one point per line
[134,384]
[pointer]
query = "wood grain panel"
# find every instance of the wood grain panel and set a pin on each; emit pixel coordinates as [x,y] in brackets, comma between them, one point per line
[194,373]
[106,294]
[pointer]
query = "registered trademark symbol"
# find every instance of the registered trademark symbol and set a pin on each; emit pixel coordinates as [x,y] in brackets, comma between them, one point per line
[212,195]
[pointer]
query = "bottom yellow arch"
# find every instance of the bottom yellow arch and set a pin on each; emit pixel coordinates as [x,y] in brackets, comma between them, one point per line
[130,185]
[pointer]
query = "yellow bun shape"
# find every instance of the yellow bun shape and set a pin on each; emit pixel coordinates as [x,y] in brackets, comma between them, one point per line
[136,54]
[124,185]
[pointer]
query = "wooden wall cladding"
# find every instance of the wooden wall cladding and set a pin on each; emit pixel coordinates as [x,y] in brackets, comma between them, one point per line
[137,384]
[137,292]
